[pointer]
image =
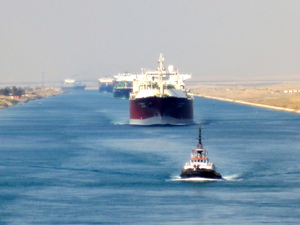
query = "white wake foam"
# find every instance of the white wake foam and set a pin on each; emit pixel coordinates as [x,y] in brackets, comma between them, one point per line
[119,123]
[192,179]
[235,177]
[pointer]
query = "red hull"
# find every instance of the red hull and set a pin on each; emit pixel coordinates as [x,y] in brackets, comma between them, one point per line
[156,110]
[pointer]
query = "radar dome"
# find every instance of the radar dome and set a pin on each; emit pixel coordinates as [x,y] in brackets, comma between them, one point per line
[171,68]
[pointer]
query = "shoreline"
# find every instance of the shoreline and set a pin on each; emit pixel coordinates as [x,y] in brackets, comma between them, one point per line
[251,104]
[9,101]
[275,95]
[283,96]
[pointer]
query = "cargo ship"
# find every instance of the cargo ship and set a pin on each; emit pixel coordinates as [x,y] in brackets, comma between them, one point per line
[106,84]
[123,85]
[160,98]
[122,92]
[72,85]
[199,165]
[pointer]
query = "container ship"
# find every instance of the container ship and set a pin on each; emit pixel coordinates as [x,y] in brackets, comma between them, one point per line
[123,85]
[72,85]
[199,165]
[160,98]
[106,84]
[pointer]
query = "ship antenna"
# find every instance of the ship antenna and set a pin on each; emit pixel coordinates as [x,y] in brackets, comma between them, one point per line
[161,61]
[160,70]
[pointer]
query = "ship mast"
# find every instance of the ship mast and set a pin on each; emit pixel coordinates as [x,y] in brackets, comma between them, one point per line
[160,70]
[200,143]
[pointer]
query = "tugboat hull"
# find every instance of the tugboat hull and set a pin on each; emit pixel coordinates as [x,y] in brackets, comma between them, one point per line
[211,174]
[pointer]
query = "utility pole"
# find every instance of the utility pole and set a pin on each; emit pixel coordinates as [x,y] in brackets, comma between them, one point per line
[43,75]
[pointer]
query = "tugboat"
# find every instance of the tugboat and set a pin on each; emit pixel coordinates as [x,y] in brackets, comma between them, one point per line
[199,165]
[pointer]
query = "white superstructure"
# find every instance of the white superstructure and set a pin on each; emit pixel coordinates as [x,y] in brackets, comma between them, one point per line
[159,80]
[199,159]
[69,81]
[106,80]
[126,77]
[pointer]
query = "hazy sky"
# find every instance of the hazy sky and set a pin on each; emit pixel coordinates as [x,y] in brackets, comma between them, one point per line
[211,39]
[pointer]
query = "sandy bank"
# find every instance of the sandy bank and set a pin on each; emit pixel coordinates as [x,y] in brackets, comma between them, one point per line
[253,104]
[285,96]
[7,101]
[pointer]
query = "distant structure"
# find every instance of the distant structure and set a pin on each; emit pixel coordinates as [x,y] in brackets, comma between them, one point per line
[43,77]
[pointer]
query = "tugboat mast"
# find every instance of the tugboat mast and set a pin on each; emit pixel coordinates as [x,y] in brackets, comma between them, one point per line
[200,143]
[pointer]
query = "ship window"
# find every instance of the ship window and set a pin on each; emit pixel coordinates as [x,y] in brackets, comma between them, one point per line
[201,160]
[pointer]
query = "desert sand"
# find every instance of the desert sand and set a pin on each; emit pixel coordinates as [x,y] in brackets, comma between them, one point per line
[6,101]
[282,96]
[279,96]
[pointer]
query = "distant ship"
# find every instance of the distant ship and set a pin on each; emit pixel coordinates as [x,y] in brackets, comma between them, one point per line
[122,92]
[106,84]
[199,165]
[123,85]
[160,97]
[72,85]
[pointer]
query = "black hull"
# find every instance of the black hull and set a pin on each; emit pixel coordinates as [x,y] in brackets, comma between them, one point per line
[200,173]
[122,93]
[157,110]
[106,88]
[76,88]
